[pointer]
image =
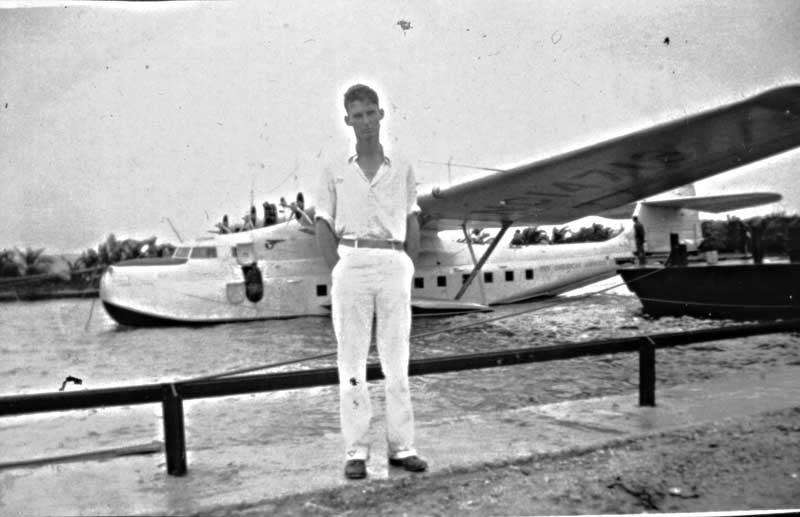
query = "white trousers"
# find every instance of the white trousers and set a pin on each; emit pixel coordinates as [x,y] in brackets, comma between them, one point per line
[367,282]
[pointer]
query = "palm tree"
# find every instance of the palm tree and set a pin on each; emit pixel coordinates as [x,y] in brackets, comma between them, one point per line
[560,235]
[32,260]
[9,265]
[37,263]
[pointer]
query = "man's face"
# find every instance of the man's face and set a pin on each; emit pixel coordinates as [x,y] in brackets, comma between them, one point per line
[365,119]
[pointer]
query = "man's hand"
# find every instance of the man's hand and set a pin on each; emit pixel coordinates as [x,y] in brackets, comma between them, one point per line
[327,242]
[412,236]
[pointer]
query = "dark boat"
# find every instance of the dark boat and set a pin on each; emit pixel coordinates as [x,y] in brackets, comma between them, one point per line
[737,291]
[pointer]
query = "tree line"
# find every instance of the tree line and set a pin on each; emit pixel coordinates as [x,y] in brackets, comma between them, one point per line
[732,235]
[535,235]
[735,235]
[82,272]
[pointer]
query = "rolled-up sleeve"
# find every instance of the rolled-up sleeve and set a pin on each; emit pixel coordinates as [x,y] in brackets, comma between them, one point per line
[411,192]
[326,198]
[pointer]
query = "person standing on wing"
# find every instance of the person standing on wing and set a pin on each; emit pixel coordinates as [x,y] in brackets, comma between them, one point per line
[367,230]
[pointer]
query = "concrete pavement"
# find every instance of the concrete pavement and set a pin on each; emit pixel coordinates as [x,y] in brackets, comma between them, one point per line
[241,476]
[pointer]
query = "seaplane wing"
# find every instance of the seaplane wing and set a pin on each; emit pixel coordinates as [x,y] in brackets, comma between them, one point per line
[716,204]
[616,172]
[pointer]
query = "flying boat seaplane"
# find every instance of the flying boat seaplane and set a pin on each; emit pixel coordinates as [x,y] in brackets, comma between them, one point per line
[276,271]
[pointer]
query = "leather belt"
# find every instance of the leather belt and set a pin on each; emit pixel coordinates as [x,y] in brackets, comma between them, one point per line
[372,243]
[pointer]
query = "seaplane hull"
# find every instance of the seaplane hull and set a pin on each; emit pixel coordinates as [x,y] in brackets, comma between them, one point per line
[211,287]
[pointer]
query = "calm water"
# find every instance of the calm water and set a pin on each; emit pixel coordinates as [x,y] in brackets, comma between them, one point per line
[43,342]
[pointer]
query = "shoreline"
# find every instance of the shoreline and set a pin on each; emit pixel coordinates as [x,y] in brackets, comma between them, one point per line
[28,295]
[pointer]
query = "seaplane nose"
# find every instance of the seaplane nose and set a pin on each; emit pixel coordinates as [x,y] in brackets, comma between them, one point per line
[105,279]
[112,273]
[112,277]
[108,275]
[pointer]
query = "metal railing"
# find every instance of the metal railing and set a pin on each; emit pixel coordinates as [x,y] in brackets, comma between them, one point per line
[172,395]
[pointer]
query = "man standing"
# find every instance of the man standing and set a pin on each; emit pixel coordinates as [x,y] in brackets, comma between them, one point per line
[367,230]
[638,235]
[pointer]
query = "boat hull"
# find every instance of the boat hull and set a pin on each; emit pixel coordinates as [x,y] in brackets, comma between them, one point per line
[736,291]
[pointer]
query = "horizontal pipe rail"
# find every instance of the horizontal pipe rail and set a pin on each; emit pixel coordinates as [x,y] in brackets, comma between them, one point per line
[154,393]
[171,395]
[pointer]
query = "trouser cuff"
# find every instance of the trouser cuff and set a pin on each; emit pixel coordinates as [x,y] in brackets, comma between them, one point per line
[399,455]
[357,453]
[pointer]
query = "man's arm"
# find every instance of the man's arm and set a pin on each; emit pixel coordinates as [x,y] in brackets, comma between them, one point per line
[327,242]
[412,236]
[412,209]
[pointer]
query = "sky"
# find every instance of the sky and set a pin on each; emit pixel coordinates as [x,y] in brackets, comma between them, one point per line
[123,117]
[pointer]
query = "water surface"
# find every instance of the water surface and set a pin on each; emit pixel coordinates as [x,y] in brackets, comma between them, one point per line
[41,343]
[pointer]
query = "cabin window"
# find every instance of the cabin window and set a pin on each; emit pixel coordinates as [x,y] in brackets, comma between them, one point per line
[464,279]
[204,252]
[488,277]
[182,253]
[441,281]
[529,274]
[419,283]
[322,290]
[509,276]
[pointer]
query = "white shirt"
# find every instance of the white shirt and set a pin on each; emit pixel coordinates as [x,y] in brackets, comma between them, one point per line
[357,208]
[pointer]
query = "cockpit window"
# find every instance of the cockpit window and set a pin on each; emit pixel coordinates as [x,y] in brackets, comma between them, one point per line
[204,252]
[182,253]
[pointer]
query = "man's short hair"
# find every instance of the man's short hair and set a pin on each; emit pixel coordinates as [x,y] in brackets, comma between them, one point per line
[360,92]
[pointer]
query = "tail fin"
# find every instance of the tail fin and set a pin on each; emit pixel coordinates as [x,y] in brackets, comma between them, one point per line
[660,221]
[680,215]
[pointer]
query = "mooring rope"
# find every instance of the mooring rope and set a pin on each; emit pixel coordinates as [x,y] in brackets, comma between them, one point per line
[454,328]
[715,304]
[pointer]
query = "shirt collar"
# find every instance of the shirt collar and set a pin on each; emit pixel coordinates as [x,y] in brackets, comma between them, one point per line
[386,160]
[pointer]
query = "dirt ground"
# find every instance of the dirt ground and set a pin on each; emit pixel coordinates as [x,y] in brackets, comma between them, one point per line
[746,464]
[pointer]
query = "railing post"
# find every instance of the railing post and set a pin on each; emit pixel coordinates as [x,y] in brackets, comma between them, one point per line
[647,373]
[174,435]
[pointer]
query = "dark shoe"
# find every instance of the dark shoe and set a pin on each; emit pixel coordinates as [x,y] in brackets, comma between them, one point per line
[410,463]
[355,469]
